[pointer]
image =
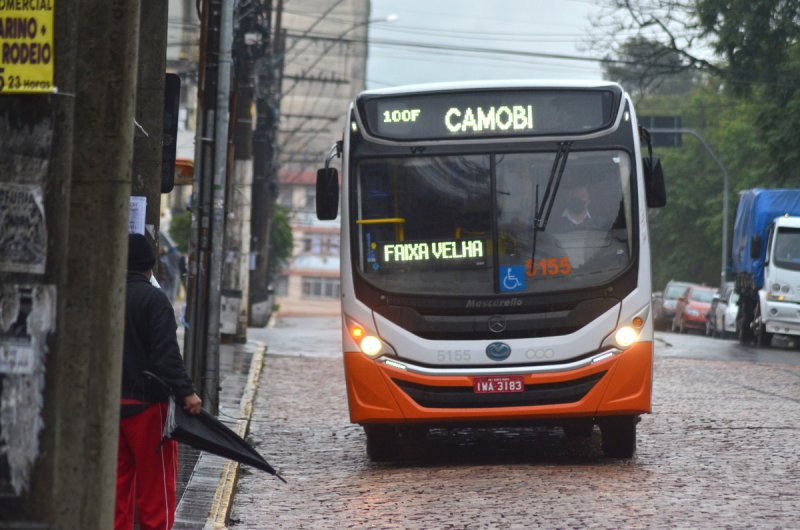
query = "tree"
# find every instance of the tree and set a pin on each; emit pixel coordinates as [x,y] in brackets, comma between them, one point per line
[180,230]
[746,103]
[281,241]
[757,55]
[692,220]
[760,42]
[646,67]
[666,24]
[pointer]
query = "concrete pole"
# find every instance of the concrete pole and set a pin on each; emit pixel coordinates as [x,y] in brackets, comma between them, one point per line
[268,80]
[202,245]
[87,350]
[237,242]
[200,241]
[224,70]
[148,141]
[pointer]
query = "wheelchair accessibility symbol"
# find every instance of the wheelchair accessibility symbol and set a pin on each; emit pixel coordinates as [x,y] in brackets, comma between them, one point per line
[512,278]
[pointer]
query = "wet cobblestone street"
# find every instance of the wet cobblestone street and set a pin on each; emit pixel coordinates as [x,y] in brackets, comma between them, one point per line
[721,450]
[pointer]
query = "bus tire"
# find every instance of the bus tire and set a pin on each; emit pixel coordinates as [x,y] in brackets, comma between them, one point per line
[619,436]
[381,442]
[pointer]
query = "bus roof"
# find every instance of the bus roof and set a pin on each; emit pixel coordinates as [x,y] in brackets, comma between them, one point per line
[476,85]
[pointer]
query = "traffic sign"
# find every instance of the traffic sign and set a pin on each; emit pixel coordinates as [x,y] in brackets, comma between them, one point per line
[662,139]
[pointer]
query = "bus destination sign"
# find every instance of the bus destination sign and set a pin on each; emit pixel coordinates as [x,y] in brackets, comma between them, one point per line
[407,253]
[487,114]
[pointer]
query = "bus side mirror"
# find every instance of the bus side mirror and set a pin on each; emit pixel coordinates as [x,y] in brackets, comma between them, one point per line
[327,194]
[654,187]
[755,247]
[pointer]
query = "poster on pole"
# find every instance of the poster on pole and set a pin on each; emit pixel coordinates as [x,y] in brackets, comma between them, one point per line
[136,215]
[23,245]
[26,46]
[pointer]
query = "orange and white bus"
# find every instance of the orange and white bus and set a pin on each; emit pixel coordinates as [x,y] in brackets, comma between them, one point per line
[495,259]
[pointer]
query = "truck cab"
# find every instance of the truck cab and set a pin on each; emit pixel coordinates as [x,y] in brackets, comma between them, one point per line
[779,298]
[765,257]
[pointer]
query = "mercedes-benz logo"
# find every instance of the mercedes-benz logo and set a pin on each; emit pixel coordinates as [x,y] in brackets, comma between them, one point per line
[498,351]
[497,324]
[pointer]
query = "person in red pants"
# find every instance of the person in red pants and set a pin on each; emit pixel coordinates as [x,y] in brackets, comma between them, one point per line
[146,464]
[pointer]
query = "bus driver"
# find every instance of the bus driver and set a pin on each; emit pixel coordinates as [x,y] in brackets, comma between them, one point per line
[576,214]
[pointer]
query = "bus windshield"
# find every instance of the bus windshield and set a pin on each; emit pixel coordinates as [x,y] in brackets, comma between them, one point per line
[467,225]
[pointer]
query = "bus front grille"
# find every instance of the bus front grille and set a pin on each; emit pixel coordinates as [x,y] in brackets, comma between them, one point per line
[439,397]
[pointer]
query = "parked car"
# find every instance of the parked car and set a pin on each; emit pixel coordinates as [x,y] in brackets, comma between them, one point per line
[728,327]
[716,314]
[657,302]
[664,305]
[692,308]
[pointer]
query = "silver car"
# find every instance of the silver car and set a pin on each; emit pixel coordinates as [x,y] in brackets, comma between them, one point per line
[664,307]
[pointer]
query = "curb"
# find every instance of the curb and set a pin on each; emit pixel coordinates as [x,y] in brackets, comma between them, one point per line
[223,497]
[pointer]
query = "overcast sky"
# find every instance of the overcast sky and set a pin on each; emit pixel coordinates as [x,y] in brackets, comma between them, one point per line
[450,34]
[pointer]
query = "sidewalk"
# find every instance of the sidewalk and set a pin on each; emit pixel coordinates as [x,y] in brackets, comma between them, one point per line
[206,482]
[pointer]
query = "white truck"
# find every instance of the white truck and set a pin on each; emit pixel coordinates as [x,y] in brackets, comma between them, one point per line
[766,259]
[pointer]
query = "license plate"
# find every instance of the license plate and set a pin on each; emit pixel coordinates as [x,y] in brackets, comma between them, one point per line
[498,384]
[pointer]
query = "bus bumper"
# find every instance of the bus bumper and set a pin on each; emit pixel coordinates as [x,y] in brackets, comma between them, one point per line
[619,385]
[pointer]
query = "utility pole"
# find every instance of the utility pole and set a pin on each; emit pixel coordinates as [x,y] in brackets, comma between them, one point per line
[208,200]
[149,138]
[269,70]
[251,34]
[66,179]
[200,240]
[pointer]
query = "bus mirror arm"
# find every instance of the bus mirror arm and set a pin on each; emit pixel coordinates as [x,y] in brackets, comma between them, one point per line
[334,152]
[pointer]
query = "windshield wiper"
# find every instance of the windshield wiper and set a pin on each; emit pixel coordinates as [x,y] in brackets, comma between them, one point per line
[542,211]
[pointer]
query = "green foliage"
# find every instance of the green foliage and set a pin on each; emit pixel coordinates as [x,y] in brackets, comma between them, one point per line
[760,43]
[757,39]
[281,241]
[686,236]
[180,230]
[745,102]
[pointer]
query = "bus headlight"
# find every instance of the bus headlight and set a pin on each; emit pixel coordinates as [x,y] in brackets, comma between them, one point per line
[366,339]
[371,345]
[625,336]
[629,332]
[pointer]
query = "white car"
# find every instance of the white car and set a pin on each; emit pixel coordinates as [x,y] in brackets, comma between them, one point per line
[721,318]
[729,316]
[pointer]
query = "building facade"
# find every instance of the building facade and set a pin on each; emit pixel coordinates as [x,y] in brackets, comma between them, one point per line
[324,69]
[310,284]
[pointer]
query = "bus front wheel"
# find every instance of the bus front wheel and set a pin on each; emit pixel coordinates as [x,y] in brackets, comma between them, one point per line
[619,436]
[381,442]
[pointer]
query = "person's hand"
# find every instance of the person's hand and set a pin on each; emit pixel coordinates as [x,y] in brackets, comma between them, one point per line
[192,404]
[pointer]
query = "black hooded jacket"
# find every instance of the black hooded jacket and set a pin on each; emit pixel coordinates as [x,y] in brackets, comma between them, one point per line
[151,344]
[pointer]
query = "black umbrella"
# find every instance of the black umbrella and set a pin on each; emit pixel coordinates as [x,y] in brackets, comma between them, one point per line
[207,433]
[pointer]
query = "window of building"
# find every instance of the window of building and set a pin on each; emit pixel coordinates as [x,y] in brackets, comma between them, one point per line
[282,286]
[315,287]
[321,244]
[285,197]
[311,198]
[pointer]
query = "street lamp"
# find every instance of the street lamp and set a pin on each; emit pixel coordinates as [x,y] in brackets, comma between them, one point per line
[724,191]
